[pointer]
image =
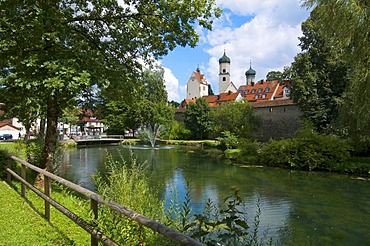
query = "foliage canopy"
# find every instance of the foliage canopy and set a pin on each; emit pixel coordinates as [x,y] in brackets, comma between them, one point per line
[53,50]
[345,25]
[319,77]
[198,120]
[237,118]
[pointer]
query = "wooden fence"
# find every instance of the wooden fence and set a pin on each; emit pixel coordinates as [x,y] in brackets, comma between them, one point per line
[95,199]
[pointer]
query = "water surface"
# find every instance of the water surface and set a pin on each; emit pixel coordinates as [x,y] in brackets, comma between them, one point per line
[297,208]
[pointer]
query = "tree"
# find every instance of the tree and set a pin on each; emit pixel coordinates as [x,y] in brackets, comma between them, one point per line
[156,112]
[153,81]
[345,24]
[318,76]
[59,48]
[274,75]
[174,103]
[197,119]
[238,118]
[121,115]
[147,108]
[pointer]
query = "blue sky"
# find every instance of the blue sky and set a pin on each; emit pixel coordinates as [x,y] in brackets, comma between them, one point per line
[264,32]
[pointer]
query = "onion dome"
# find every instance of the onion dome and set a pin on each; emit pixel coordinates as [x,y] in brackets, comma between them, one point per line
[224,59]
[250,71]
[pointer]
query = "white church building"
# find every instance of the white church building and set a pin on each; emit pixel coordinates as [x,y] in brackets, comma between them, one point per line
[198,86]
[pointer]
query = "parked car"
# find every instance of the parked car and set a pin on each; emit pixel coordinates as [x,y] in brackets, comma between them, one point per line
[6,137]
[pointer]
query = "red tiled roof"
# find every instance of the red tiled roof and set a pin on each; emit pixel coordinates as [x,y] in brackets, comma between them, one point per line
[262,90]
[200,78]
[273,103]
[270,89]
[211,100]
[228,96]
[188,101]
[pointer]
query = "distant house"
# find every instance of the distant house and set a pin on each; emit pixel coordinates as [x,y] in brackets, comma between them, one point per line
[90,124]
[7,128]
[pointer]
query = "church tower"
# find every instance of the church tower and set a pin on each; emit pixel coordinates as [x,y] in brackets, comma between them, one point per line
[250,75]
[224,73]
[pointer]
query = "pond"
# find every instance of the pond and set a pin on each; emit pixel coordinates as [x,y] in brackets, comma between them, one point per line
[297,208]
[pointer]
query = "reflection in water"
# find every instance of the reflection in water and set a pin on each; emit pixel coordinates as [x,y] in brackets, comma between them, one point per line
[297,208]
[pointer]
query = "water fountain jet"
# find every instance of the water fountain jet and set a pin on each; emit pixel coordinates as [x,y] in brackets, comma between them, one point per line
[152,133]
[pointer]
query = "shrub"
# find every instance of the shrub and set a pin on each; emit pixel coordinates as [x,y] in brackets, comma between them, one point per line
[309,151]
[228,140]
[179,131]
[227,225]
[126,183]
[232,153]
[246,152]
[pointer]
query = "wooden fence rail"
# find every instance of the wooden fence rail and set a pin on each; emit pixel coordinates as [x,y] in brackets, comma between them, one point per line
[95,199]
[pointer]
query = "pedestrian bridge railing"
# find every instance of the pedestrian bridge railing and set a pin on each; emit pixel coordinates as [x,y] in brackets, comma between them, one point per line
[95,199]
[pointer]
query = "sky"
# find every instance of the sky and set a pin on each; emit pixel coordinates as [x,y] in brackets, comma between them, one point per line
[263,33]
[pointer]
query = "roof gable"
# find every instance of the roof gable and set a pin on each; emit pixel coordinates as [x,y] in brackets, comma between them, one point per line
[7,126]
[199,78]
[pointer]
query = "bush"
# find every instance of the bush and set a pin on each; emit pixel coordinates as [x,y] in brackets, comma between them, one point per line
[246,152]
[179,131]
[309,151]
[126,183]
[232,153]
[228,140]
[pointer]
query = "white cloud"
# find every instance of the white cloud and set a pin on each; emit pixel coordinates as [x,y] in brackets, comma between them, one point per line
[172,85]
[269,39]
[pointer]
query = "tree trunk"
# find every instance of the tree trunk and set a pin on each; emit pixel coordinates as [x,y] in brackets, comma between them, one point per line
[51,136]
[42,127]
[27,135]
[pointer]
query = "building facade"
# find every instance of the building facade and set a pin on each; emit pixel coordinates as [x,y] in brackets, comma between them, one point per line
[270,99]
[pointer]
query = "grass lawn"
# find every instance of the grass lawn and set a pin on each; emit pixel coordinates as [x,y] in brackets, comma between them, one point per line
[20,225]
[21,221]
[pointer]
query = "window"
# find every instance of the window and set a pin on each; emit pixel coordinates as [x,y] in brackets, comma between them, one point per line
[224,70]
[267,89]
[246,91]
[259,90]
[253,90]
[256,96]
[263,95]
[287,92]
[224,79]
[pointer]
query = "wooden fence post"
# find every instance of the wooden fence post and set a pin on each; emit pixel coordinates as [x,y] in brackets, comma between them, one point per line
[8,175]
[94,207]
[23,175]
[47,193]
